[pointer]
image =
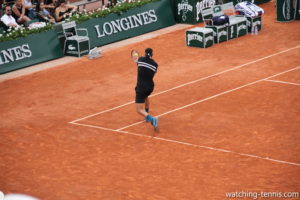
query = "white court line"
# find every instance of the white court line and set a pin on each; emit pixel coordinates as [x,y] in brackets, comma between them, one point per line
[190,144]
[284,82]
[189,83]
[211,97]
[201,146]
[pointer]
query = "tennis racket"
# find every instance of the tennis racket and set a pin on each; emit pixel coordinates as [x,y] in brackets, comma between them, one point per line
[135,55]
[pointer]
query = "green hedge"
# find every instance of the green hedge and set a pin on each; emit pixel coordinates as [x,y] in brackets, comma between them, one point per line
[79,17]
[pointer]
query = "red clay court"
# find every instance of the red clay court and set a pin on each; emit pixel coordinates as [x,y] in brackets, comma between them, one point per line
[229,119]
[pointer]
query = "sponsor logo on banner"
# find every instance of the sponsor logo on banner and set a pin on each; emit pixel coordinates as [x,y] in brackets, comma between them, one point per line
[202,5]
[221,33]
[241,27]
[196,37]
[286,9]
[209,38]
[126,23]
[14,54]
[71,47]
[185,7]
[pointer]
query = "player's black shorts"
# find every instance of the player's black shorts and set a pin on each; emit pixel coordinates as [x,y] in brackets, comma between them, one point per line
[142,94]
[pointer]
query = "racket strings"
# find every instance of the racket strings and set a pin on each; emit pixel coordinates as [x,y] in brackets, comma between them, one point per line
[134,55]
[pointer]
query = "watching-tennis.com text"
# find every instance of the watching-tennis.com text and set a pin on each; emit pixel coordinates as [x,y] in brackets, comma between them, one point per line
[256,195]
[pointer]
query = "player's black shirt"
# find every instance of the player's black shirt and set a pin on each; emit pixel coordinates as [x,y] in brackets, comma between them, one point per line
[147,68]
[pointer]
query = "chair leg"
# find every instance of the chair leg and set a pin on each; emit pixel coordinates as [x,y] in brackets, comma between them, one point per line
[65,47]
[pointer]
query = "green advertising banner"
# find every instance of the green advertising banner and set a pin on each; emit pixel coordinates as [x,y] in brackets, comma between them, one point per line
[189,11]
[286,10]
[33,49]
[44,46]
[134,22]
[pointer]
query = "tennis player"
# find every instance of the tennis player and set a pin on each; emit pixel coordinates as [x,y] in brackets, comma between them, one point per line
[147,68]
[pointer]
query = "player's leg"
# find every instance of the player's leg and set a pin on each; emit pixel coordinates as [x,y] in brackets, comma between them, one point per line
[140,101]
[140,97]
[147,105]
[153,120]
[140,108]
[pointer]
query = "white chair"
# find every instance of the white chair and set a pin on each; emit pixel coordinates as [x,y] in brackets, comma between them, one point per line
[73,41]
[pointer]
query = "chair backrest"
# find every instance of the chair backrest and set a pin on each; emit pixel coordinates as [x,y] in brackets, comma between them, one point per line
[69,29]
[207,13]
[217,10]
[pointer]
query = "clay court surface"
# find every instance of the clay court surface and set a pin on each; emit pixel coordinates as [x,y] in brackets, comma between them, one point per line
[229,119]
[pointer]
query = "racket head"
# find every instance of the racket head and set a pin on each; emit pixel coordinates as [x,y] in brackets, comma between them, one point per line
[135,55]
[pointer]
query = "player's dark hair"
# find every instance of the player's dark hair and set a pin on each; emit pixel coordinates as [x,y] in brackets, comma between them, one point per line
[149,52]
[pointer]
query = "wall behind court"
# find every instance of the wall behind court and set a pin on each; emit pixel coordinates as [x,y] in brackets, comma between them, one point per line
[45,46]
[34,48]
[137,21]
